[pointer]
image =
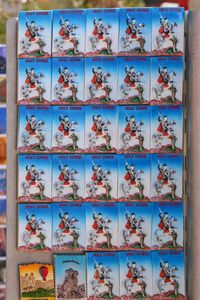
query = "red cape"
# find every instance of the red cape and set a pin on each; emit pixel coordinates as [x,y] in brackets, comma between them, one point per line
[62,226]
[61,128]
[27,81]
[128,129]
[28,128]
[95,32]
[94,81]
[160,129]
[61,178]
[161,31]
[128,31]
[94,128]
[28,35]
[63,34]
[127,80]
[28,228]
[160,177]
[160,80]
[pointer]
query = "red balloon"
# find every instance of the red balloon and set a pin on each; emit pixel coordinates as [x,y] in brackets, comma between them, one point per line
[43,272]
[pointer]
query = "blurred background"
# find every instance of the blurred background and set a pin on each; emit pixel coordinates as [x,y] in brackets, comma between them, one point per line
[9,8]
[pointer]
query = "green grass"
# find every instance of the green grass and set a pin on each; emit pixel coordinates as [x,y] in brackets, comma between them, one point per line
[104,198]
[70,100]
[105,52]
[169,197]
[104,148]
[39,293]
[37,197]
[39,247]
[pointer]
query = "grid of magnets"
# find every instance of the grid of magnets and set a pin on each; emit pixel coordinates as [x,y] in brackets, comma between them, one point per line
[100,143]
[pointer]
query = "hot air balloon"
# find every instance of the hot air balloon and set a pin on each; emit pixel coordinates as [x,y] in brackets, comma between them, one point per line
[43,272]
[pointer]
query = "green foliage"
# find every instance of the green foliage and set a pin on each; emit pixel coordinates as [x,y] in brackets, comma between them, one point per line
[39,293]
[54,4]
[3,19]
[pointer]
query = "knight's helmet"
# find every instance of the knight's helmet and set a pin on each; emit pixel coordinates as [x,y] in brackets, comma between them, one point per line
[165,167]
[100,21]
[66,215]
[66,22]
[166,264]
[99,168]
[66,167]
[33,118]
[132,215]
[133,21]
[66,118]
[100,266]
[99,118]
[165,118]
[132,69]
[99,70]
[32,24]
[99,215]
[32,71]
[166,21]
[65,70]
[32,168]
[165,69]
[166,215]
[133,264]
[33,217]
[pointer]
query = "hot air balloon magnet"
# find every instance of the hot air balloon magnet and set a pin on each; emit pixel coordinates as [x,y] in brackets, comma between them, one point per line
[34,227]
[36,282]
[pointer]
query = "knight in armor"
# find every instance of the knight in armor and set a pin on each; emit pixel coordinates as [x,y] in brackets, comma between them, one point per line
[32,224]
[164,77]
[31,78]
[131,222]
[98,29]
[64,222]
[64,175]
[64,77]
[97,176]
[163,174]
[98,223]
[65,29]
[163,126]
[131,27]
[164,222]
[132,273]
[97,78]
[130,76]
[98,124]
[31,31]
[64,124]
[164,29]
[99,273]
[130,173]
[165,272]
[31,125]
[31,175]
[131,126]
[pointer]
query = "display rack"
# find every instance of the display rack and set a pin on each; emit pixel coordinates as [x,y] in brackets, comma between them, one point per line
[14,257]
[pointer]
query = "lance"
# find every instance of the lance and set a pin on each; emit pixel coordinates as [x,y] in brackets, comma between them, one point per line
[161,17]
[61,18]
